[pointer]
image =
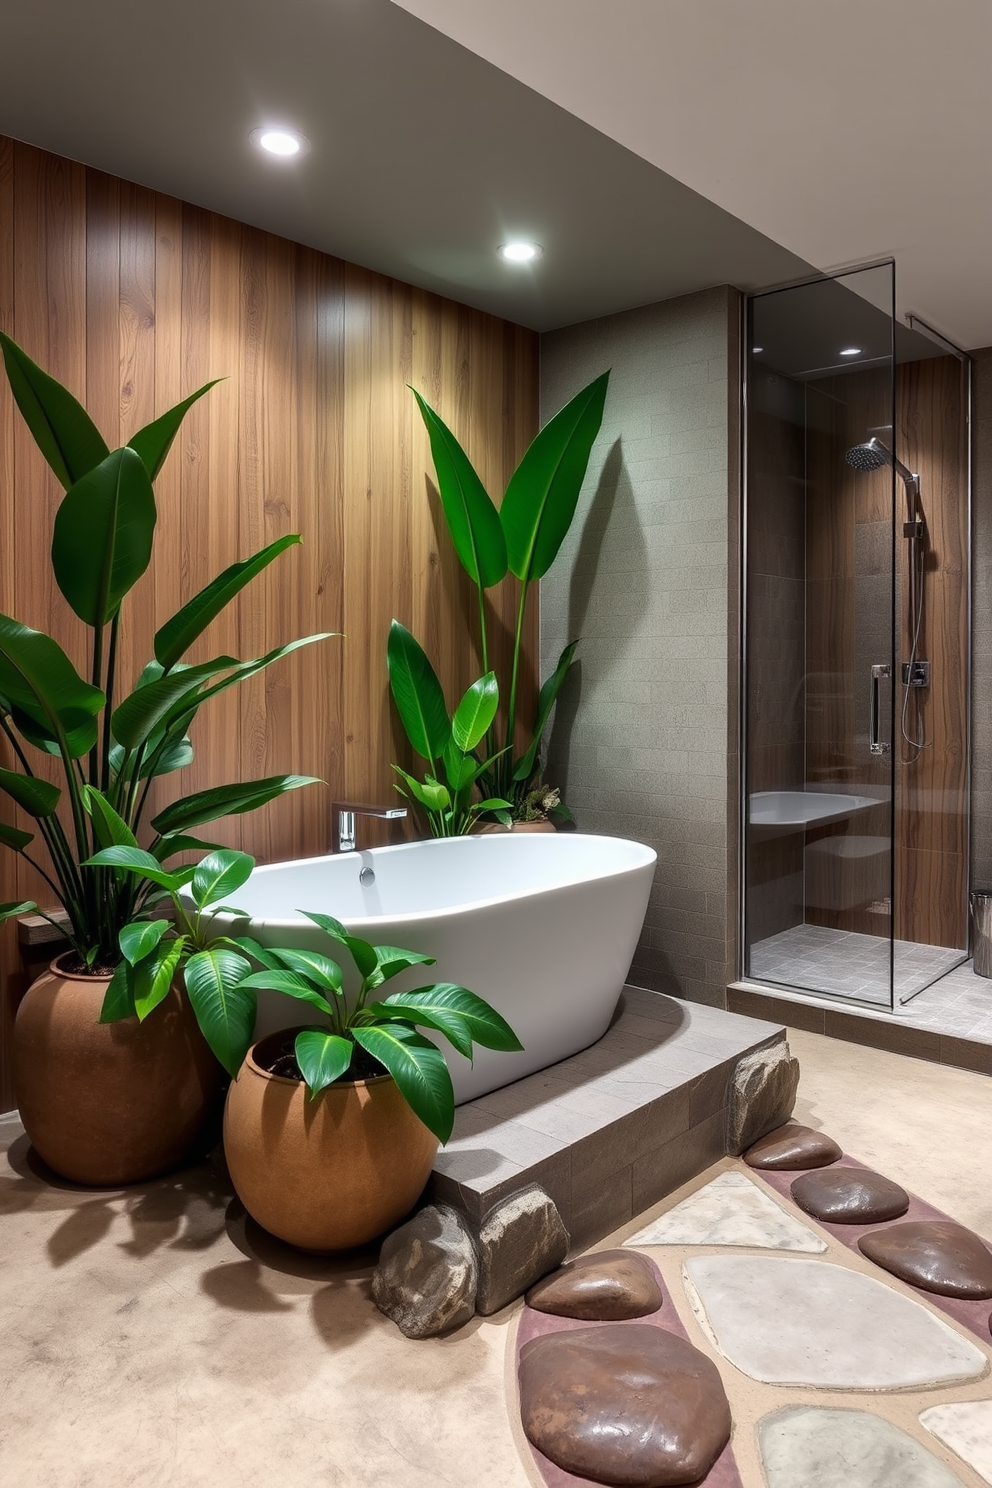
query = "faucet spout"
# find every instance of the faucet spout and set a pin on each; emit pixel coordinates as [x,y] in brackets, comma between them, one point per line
[344,814]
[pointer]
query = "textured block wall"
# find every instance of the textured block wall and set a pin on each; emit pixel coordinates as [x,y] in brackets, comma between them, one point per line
[645,742]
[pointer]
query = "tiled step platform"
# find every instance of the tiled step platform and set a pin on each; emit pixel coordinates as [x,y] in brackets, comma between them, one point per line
[613,1129]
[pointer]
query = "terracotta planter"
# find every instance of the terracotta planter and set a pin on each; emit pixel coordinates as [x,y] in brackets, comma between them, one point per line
[329,1173]
[484,828]
[110,1103]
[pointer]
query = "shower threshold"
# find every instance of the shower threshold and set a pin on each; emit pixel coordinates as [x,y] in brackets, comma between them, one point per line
[848,964]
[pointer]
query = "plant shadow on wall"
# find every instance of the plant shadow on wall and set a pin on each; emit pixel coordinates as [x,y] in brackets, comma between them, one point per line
[611,550]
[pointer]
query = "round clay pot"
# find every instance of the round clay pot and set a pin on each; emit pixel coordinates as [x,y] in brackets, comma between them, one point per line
[484,828]
[110,1103]
[329,1173]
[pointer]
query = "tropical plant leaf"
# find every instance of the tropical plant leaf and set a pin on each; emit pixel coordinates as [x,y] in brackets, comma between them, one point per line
[43,687]
[37,797]
[13,837]
[153,442]
[327,923]
[102,539]
[472,518]
[10,910]
[220,874]
[138,940]
[62,429]
[177,842]
[322,1057]
[391,960]
[417,693]
[118,1001]
[450,1024]
[254,949]
[492,803]
[432,795]
[541,497]
[545,702]
[483,1024]
[475,713]
[418,1068]
[460,769]
[176,636]
[319,970]
[147,707]
[289,982]
[226,800]
[136,860]
[363,954]
[153,976]
[224,1006]
[110,827]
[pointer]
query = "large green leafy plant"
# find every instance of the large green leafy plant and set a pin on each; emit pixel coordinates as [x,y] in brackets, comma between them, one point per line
[111,751]
[522,537]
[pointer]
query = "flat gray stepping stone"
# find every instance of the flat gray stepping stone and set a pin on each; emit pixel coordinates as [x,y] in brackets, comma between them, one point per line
[730,1210]
[790,1321]
[815,1447]
[849,1196]
[967,1429]
[602,1288]
[788,1148]
[934,1254]
[624,1403]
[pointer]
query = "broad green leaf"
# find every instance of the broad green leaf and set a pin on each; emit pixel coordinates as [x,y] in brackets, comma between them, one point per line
[37,797]
[492,803]
[176,636]
[545,702]
[540,499]
[450,1024]
[153,442]
[327,923]
[473,520]
[460,769]
[363,954]
[483,1023]
[152,977]
[14,838]
[176,755]
[224,1007]
[254,949]
[111,828]
[321,971]
[141,713]
[419,1070]
[177,842]
[102,539]
[136,860]
[118,1001]
[430,795]
[417,693]
[475,713]
[289,982]
[62,429]
[391,960]
[10,910]
[322,1057]
[220,874]
[140,939]
[227,800]
[43,686]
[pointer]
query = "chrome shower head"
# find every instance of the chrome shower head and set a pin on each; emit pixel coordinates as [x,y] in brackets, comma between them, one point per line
[869,456]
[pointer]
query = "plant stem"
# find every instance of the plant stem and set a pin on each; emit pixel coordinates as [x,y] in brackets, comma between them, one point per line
[511,718]
[97,678]
[111,672]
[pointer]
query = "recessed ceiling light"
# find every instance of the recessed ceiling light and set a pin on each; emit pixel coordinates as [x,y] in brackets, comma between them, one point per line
[851,351]
[284,143]
[756,349]
[520,252]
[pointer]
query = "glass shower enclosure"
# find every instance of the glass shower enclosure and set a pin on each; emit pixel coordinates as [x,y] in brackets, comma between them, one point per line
[855,658]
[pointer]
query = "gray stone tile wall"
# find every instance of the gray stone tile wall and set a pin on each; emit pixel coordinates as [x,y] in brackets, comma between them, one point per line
[644,743]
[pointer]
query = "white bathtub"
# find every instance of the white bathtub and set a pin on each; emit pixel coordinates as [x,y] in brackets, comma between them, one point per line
[541,926]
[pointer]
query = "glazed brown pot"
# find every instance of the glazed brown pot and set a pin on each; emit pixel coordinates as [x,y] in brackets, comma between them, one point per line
[484,828]
[110,1103]
[329,1173]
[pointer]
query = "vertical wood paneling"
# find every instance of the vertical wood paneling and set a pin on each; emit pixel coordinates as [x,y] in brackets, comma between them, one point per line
[134,300]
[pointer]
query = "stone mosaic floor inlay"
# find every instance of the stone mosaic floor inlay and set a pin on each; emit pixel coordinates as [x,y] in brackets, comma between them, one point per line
[788,1321]
[813,1447]
[965,1427]
[730,1210]
[849,1196]
[791,1148]
[935,1255]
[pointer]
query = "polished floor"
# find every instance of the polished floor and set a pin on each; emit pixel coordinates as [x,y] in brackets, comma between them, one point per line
[156,1337]
[817,959]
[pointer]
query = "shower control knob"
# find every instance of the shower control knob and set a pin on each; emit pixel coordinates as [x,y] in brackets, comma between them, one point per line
[916,674]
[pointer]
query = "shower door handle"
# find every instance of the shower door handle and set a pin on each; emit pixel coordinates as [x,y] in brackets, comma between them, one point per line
[880,670]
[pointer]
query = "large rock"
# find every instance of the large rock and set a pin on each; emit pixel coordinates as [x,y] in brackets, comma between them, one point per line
[934,1254]
[849,1196]
[520,1240]
[602,1288]
[793,1147]
[428,1273]
[623,1403]
[762,1094]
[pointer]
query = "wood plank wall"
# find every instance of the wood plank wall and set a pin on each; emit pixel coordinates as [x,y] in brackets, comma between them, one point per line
[134,299]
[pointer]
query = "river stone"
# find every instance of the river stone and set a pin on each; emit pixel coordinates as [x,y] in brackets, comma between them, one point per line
[762,1094]
[792,1147]
[624,1403]
[965,1427]
[427,1274]
[849,1196]
[934,1254]
[824,1447]
[520,1240]
[602,1288]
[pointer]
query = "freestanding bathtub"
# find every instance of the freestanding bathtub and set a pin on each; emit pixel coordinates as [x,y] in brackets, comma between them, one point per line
[541,926]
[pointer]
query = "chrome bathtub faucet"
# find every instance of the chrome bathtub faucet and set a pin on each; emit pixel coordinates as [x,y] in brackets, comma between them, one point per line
[343,814]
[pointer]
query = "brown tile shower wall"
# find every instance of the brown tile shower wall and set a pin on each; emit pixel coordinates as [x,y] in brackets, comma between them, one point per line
[644,744]
[981,656]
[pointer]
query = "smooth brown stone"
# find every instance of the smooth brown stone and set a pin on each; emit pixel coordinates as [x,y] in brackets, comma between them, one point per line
[602,1288]
[934,1254]
[625,1404]
[792,1147]
[849,1196]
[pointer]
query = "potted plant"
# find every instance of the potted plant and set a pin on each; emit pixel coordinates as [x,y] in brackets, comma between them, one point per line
[104,1100]
[522,537]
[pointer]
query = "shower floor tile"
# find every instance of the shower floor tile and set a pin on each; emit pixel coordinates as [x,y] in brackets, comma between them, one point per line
[849,964]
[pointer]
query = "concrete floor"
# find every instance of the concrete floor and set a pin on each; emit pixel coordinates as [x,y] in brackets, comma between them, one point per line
[150,1338]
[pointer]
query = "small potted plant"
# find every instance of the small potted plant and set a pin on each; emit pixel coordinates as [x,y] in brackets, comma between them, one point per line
[104,1100]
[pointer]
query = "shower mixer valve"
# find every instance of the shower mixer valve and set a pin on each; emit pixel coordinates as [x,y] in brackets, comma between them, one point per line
[916,674]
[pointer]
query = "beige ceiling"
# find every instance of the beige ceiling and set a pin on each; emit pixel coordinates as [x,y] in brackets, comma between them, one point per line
[845,130]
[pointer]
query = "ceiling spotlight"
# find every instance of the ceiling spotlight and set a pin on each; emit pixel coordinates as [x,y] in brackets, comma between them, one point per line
[284,143]
[851,351]
[757,349]
[520,252]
